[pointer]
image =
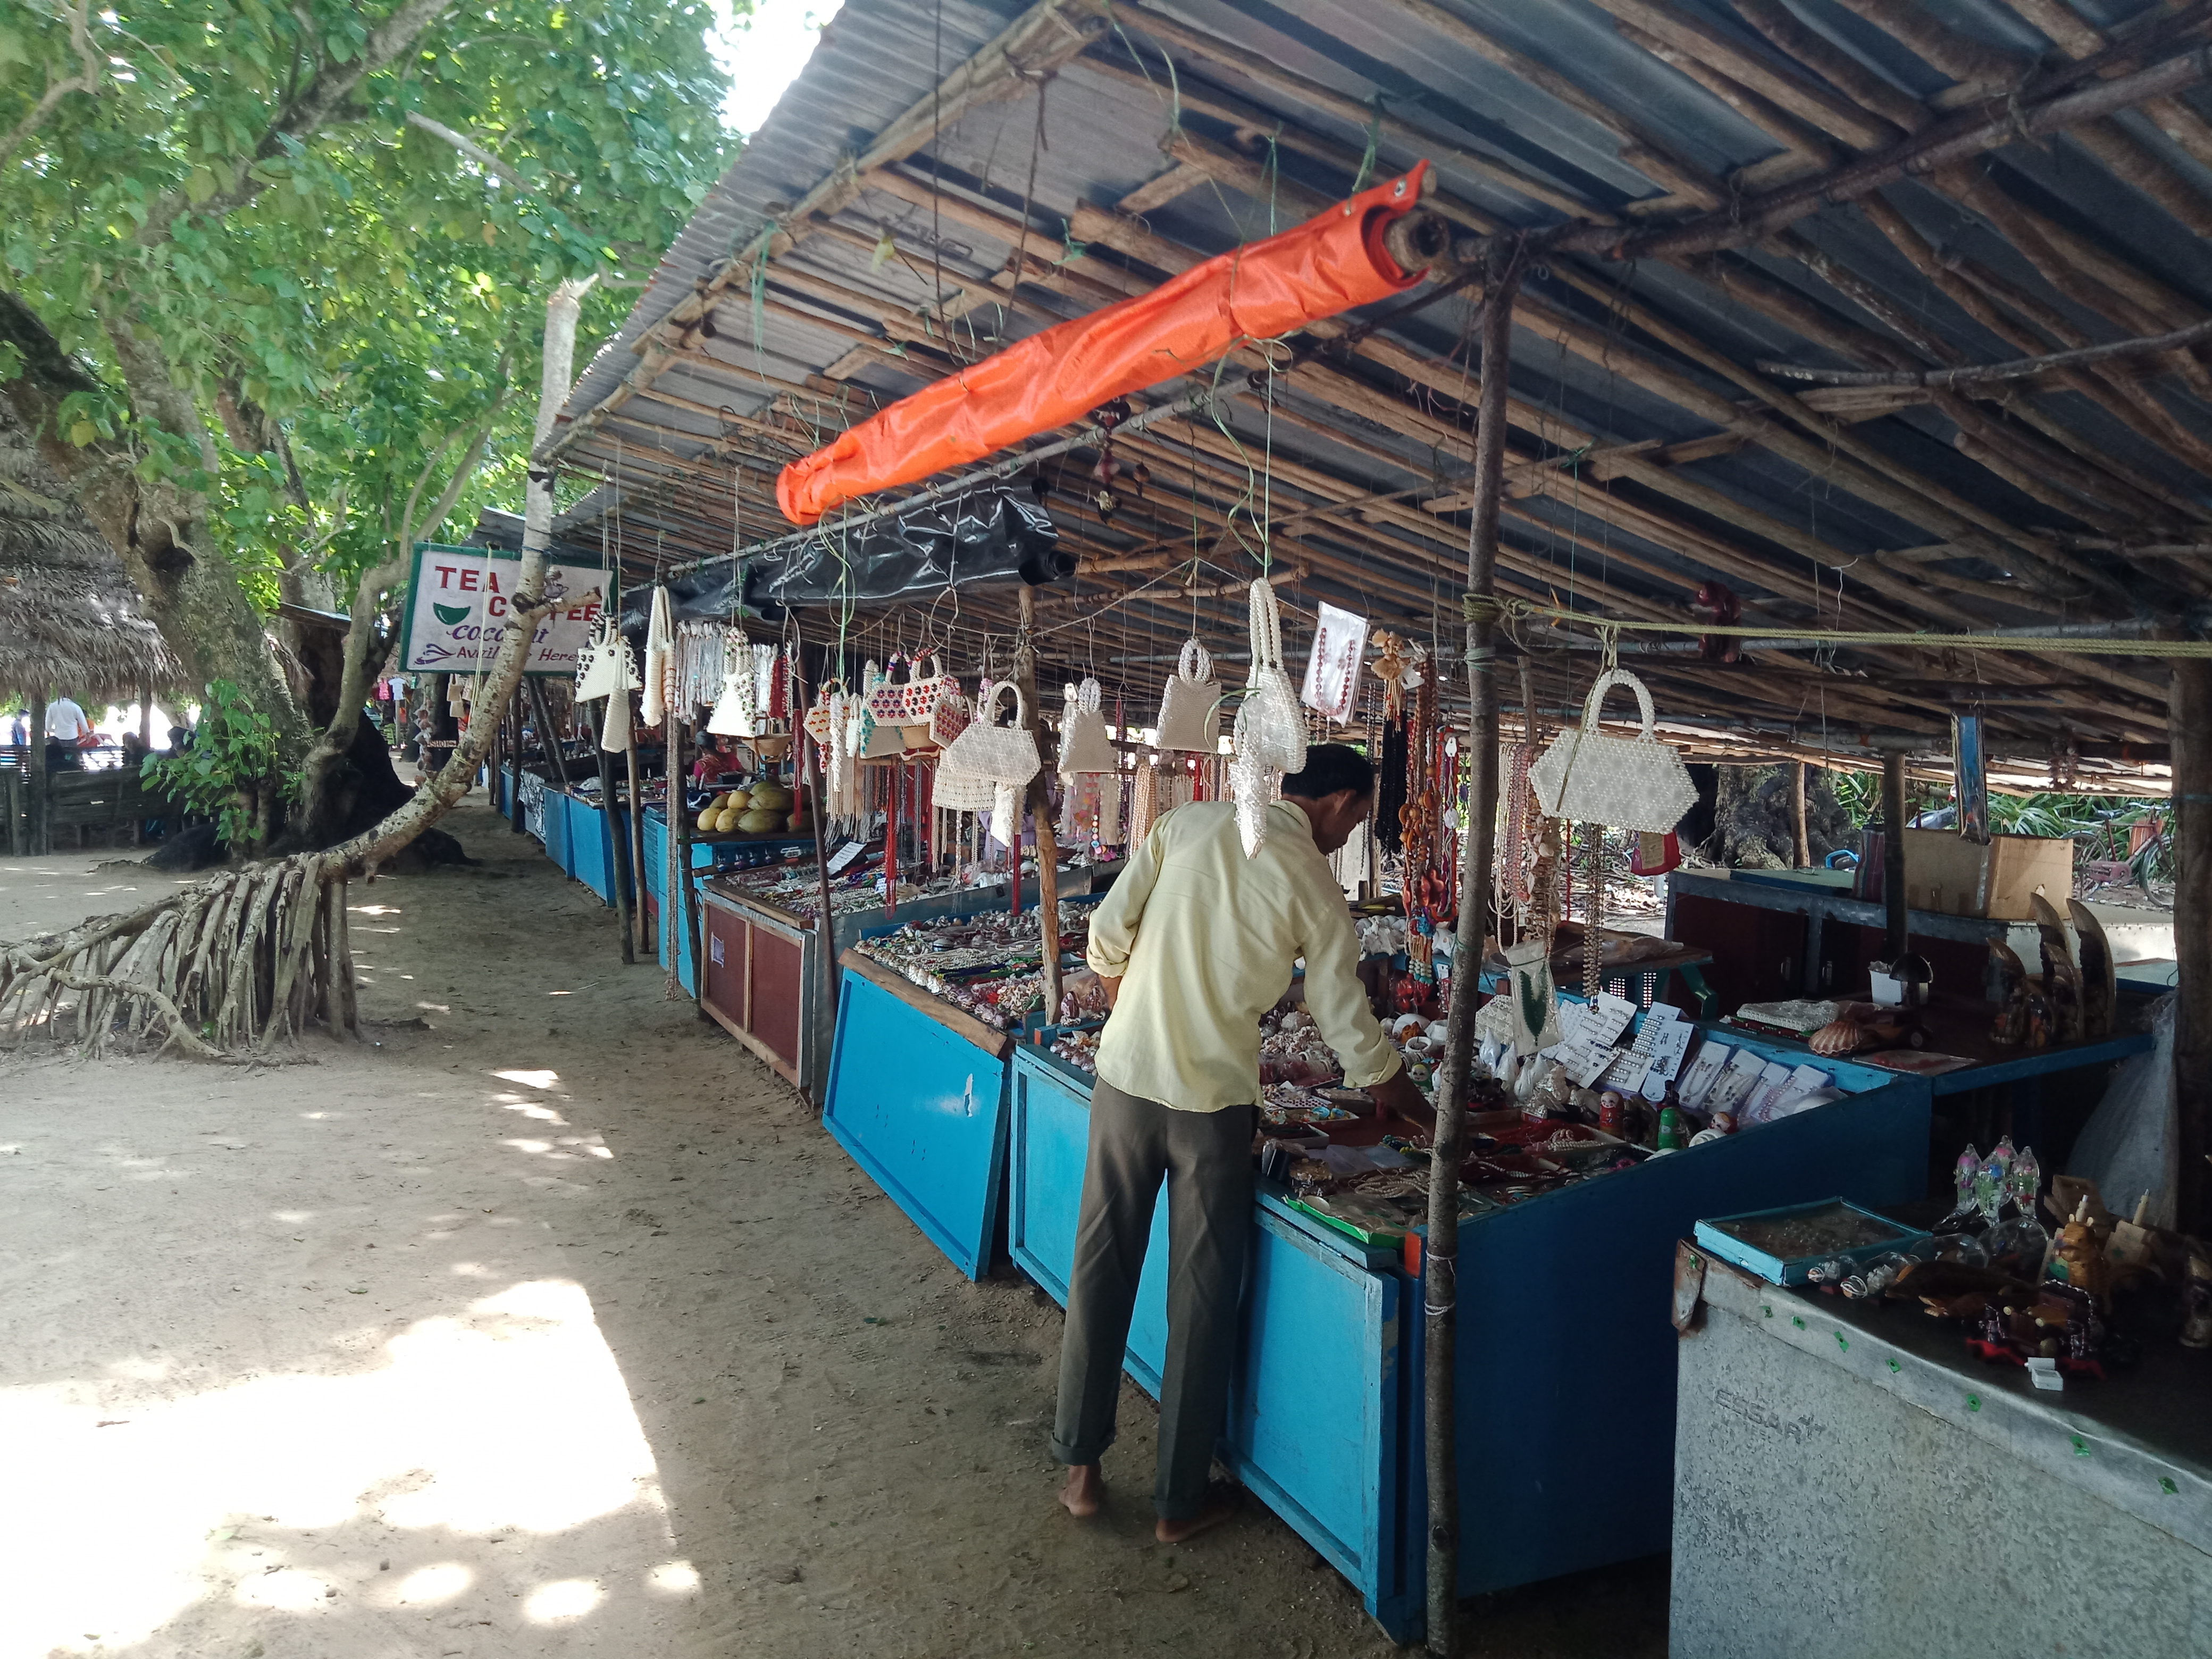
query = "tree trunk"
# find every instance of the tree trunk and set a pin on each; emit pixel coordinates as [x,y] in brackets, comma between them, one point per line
[1440,1257]
[34,777]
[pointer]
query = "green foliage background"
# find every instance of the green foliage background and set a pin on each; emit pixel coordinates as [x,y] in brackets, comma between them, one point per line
[369,288]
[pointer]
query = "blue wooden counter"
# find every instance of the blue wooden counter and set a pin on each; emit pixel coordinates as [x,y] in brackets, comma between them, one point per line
[917,1095]
[1567,1369]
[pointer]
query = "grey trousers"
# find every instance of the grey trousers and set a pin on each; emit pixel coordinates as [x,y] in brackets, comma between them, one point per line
[1206,1158]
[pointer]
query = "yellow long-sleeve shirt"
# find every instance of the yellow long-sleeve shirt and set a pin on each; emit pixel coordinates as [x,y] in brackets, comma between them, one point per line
[1204,941]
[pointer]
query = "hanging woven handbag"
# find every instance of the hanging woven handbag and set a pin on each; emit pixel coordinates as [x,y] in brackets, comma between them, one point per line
[1270,737]
[604,666]
[1003,754]
[1190,708]
[948,715]
[887,693]
[961,791]
[1084,745]
[926,682]
[1624,783]
[819,718]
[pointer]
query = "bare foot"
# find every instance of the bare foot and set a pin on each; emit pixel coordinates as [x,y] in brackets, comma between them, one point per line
[1085,1492]
[1218,1508]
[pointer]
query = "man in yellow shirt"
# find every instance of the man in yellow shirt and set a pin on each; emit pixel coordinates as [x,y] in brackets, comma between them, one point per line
[1195,942]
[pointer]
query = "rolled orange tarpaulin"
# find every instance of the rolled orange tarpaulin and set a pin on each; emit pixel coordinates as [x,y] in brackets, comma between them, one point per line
[1328,264]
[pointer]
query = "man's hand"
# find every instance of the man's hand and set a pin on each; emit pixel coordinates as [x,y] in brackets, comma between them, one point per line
[1397,1097]
[1113,990]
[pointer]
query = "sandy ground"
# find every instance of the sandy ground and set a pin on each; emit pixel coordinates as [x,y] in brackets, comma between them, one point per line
[548,1322]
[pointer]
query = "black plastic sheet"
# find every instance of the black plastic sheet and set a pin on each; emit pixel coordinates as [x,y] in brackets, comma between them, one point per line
[711,593]
[985,536]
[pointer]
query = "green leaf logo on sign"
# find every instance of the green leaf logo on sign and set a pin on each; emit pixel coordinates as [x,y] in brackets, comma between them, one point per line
[451,615]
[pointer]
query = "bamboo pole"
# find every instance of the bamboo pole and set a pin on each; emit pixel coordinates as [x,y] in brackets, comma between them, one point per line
[550,736]
[2018,369]
[1440,1254]
[1797,816]
[1937,147]
[1039,794]
[617,843]
[1898,922]
[808,753]
[2191,719]
[634,837]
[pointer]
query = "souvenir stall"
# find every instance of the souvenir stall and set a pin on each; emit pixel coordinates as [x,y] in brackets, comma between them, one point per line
[1201,439]
[2032,1366]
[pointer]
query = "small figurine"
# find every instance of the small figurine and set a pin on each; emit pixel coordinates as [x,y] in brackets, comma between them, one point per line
[2080,1261]
[1965,1215]
[2197,1301]
[2100,982]
[2009,1029]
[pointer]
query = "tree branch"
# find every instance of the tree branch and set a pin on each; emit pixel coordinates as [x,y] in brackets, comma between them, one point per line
[475,151]
[86,82]
[299,119]
[2018,369]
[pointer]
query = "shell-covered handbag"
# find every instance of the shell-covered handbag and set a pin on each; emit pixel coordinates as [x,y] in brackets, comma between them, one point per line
[1003,754]
[949,715]
[737,711]
[604,666]
[961,791]
[888,694]
[820,718]
[1084,745]
[924,687]
[1625,783]
[1190,708]
[1270,737]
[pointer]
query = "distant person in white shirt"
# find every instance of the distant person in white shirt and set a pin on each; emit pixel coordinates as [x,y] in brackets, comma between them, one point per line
[66,731]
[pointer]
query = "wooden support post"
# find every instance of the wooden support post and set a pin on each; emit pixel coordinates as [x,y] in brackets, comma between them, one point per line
[549,738]
[1893,861]
[805,751]
[618,842]
[511,724]
[1440,1257]
[146,719]
[2190,717]
[1797,815]
[675,867]
[634,837]
[34,776]
[1040,805]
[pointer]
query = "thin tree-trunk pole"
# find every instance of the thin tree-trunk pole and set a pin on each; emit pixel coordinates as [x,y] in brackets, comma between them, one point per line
[1797,816]
[1745,222]
[550,738]
[1893,861]
[1039,791]
[1440,1254]
[2017,368]
[807,757]
[677,870]
[634,836]
[2190,721]
[617,845]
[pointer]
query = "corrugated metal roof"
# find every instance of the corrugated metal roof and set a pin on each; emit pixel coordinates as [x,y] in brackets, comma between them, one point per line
[1105,117]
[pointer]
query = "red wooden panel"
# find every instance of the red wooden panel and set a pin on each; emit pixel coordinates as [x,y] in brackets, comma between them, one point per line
[779,993]
[725,986]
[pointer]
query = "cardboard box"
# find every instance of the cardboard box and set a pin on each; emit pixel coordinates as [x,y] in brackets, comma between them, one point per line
[1953,877]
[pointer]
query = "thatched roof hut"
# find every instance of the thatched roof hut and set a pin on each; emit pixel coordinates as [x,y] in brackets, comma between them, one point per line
[70,619]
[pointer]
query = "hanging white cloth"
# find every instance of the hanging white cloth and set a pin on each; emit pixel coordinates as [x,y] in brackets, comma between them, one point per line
[660,645]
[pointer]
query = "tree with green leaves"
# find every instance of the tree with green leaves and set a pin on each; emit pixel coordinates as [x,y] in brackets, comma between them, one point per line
[274,300]
[276,272]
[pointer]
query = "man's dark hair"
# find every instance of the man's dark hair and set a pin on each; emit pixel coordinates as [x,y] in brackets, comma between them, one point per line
[1331,767]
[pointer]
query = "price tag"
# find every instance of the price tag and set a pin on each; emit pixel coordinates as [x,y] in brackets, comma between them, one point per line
[843,856]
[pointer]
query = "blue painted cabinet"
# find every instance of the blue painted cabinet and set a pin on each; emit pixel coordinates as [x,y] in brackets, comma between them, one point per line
[1317,1400]
[918,1096]
[1565,1382]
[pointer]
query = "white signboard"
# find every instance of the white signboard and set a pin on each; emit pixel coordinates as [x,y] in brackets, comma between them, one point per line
[457,609]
